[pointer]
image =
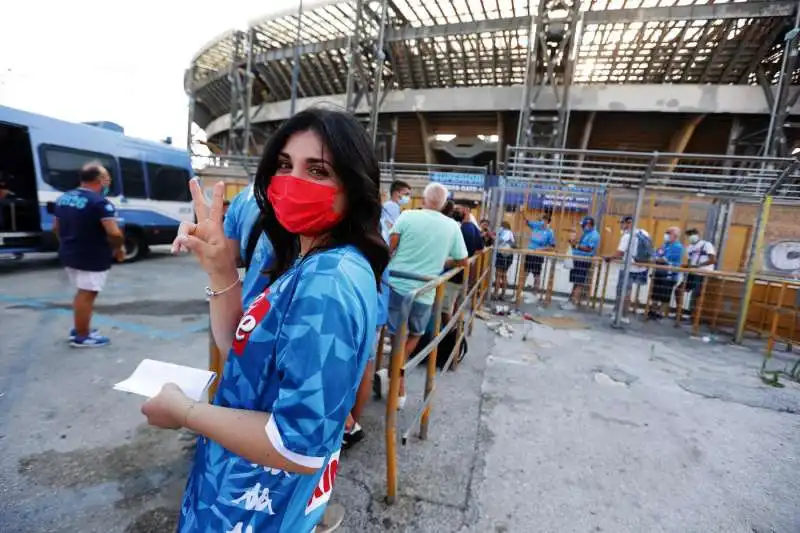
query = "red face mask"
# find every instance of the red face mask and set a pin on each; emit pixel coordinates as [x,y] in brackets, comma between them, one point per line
[302,206]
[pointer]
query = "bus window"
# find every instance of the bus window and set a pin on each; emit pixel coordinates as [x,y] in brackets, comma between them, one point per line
[132,178]
[60,166]
[168,183]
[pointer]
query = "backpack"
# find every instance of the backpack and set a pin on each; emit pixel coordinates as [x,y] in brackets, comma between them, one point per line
[445,347]
[644,247]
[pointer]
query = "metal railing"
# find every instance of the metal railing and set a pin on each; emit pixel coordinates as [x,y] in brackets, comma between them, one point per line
[473,293]
[706,302]
[723,178]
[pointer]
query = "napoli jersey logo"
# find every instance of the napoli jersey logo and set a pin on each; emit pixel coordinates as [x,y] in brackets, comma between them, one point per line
[251,319]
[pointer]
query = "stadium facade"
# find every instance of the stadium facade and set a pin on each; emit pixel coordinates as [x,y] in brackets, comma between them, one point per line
[454,81]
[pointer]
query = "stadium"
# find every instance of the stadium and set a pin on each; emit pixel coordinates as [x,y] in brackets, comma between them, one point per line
[444,81]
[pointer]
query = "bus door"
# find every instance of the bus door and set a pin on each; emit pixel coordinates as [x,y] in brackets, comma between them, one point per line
[20,217]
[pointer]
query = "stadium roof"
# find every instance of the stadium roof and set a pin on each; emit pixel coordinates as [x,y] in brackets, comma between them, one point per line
[468,43]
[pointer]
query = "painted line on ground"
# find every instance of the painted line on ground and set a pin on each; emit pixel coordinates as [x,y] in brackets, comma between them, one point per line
[38,304]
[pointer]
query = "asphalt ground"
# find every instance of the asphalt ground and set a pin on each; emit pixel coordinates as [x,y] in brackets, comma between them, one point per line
[584,430]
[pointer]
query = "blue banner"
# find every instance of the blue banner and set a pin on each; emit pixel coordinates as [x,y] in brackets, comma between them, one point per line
[459,182]
[549,196]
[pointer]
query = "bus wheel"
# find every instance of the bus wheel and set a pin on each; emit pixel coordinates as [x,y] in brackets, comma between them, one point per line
[135,248]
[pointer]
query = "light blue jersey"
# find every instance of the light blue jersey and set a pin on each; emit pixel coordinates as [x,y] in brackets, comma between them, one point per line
[299,354]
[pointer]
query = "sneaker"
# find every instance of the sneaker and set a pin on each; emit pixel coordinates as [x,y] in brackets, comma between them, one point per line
[92,341]
[332,519]
[352,436]
[92,333]
[401,402]
[568,306]
[380,385]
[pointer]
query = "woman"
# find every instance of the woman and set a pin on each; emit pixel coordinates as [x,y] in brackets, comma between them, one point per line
[505,239]
[269,443]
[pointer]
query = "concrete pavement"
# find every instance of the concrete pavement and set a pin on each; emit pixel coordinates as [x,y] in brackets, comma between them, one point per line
[572,430]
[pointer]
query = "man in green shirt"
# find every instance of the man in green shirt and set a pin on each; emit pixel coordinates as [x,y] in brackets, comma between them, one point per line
[422,242]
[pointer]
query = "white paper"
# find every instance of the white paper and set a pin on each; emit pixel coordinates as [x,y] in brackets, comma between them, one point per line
[150,376]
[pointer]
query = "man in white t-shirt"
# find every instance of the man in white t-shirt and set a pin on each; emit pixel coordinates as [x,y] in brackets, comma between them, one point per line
[702,256]
[399,195]
[638,273]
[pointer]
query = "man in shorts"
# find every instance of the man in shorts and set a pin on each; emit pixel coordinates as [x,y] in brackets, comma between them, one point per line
[542,239]
[638,274]
[85,223]
[582,251]
[422,242]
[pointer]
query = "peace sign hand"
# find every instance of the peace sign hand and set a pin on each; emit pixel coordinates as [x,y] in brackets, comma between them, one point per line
[206,238]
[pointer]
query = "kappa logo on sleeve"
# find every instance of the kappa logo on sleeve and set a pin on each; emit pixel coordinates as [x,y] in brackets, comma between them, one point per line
[251,319]
[322,492]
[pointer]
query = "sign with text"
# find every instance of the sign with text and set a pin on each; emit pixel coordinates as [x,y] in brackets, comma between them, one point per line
[459,182]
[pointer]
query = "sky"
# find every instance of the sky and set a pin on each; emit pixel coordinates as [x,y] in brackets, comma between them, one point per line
[88,60]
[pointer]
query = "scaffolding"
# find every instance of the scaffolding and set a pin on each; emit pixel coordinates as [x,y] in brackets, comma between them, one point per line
[361,51]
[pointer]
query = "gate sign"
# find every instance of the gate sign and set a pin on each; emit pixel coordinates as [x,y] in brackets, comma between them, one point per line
[541,197]
[457,181]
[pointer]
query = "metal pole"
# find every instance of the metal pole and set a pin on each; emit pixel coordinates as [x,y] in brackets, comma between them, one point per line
[248,95]
[393,150]
[575,30]
[778,100]
[190,119]
[377,86]
[233,77]
[530,78]
[622,285]
[501,181]
[296,65]
[352,43]
[755,262]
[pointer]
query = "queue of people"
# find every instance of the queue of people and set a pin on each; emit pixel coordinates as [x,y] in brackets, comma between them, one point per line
[698,254]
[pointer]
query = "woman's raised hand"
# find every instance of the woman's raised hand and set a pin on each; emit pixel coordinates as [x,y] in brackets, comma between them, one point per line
[206,238]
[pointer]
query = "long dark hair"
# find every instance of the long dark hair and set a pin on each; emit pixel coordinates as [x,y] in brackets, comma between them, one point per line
[357,168]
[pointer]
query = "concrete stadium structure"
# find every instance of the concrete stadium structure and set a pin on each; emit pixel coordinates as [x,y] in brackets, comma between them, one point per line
[454,82]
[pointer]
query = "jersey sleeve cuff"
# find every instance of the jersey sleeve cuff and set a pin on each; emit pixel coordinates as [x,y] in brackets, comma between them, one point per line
[274,436]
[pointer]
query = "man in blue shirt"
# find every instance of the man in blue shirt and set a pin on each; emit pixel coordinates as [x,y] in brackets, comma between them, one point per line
[474,242]
[669,254]
[542,239]
[586,247]
[85,223]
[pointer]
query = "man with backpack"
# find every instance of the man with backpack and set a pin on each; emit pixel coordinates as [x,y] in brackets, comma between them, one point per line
[642,250]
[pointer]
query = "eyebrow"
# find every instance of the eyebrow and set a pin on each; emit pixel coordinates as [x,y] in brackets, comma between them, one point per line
[309,160]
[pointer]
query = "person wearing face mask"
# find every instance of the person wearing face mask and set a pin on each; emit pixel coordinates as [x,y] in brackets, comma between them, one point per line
[269,442]
[542,239]
[702,256]
[585,247]
[669,254]
[399,197]
[85,223]
[638,273]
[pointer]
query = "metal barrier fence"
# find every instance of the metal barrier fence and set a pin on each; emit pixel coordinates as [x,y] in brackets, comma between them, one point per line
[704,186]
[704,302]
[473,292]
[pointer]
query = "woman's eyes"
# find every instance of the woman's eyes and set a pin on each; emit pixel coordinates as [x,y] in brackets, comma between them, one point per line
[318,172]
[314,171]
